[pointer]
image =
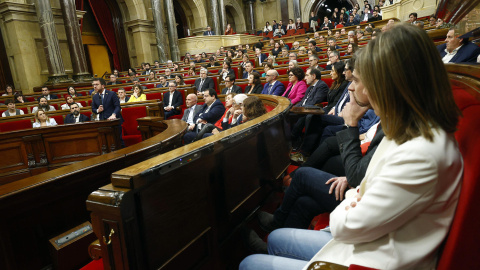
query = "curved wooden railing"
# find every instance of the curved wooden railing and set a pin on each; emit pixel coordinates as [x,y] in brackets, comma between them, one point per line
[180,210]
[40,207]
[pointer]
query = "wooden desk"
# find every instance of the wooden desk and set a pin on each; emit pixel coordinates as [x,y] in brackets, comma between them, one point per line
[303,110]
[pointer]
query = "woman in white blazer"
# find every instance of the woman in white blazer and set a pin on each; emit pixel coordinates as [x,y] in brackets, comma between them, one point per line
[401,212]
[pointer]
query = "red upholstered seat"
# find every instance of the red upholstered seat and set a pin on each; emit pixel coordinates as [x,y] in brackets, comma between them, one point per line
[300,31]
[30,99]
[282,71]
[83,102]
[290,32]
[328,81]
[306,25]
[131,134]
[153,96]
[15,125]
[339,25]
[58,119]
[56,106]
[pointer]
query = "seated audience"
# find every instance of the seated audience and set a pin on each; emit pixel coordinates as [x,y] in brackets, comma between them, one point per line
[458,50]
[351,49]
[326,25]
[273,87]
[252,108]
[138,94]
[248,70]
[151,77]
[162,82]
[9,90]
[317,91]
[69,101]
[229,30]
[209,32]
[147,70]
[72,92]
[333,42]
[212,62]
[254,84]
[261,57]
[191,111]
[42,120]
[191,72]
[211,111]
[418,164]
[75,116]
[267,28]
[230,86]
[313,62]
[292,64]
[122,95]
[46,94]
[19,98]
[179,80]
[266,68]
[204,82]
[172,100]
[333,57]
[11,110]
[296,87]
[299,24]
[43,104]
[233,116]
[227,70]
[276,49]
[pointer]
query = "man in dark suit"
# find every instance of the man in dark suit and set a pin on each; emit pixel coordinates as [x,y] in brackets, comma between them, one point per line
[209,32]
[163,81]
[75,116]
[212,62]
[326,24]
[317,91]
[172,100]
[147,69]
[261,57]
[113,80]
[312,45]
[198,59]
[248,70]
[273,87]
[211,112]
[204,82]
[192,110]
[46,94]
[375,17]
[105,102]
[451,52]
[230,86]
[122,97]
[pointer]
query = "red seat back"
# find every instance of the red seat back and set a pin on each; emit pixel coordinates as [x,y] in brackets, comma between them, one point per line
[300,31]
[153,96]
[58,119]
[15,125]
[130,116]
[328,81]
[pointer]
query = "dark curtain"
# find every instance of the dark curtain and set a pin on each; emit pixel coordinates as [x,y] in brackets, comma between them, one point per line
[79,6]
[105,22]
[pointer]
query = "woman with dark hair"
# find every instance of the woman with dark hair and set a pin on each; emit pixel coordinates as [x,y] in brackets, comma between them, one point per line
[191,72]
[338,85]
[291,24]
[254,84]
[276,49]
[72,92]
[9,90]
[69,101]
[19,98]
[351,49]
[130,70]
[138,94]
[186,61]
[204,55]
[267,28]
[252,108]
[230,54]
[266,68]
[179,80]
[283,44]
[296,87]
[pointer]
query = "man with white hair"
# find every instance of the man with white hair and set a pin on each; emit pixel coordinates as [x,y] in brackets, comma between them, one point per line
[273,87]
[204,82]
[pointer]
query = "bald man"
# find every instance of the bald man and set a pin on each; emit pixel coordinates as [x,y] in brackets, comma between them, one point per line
[191,111]
[273,87]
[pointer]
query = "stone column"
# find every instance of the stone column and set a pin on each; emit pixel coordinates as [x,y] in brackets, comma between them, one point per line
[172,31]
[296,10]
[252,16]
[223,17]
[75,44]
[215,17]
[50,43]
[159,30]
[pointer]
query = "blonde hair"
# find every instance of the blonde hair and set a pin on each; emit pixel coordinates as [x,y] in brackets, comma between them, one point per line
[408,84]
[36,116]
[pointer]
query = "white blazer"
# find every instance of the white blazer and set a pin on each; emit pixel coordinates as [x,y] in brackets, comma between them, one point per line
[409,195]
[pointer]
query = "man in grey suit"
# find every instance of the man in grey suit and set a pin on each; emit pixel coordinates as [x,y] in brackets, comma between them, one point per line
[191,111]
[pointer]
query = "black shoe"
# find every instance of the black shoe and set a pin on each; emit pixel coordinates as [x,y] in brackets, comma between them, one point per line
[253,242]
[267,221]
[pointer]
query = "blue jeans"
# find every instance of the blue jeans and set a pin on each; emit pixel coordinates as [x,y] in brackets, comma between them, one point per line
[288,249]
[306,197]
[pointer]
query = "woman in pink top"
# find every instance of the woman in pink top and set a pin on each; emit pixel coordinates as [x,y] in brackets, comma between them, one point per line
[296,87]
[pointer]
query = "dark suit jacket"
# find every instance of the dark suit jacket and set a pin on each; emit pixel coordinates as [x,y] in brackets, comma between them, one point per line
[216,111]
[145,72]
[206,33]
[263,58]
[176,100]
[51,97]
[230,72]
[314,95]
[277,89]
[467,53]
[111,83]
[111,104]
[207,84]
[235,89]
[334,95]
[198,108]
[374,19]
[256,90]
[215,64]
[161,85]
[355,164]
[70,120]
[329,25]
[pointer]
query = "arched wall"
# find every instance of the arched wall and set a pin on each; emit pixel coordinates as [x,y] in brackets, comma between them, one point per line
[238,15]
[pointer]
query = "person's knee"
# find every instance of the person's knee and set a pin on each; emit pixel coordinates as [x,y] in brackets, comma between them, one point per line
[250,262]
